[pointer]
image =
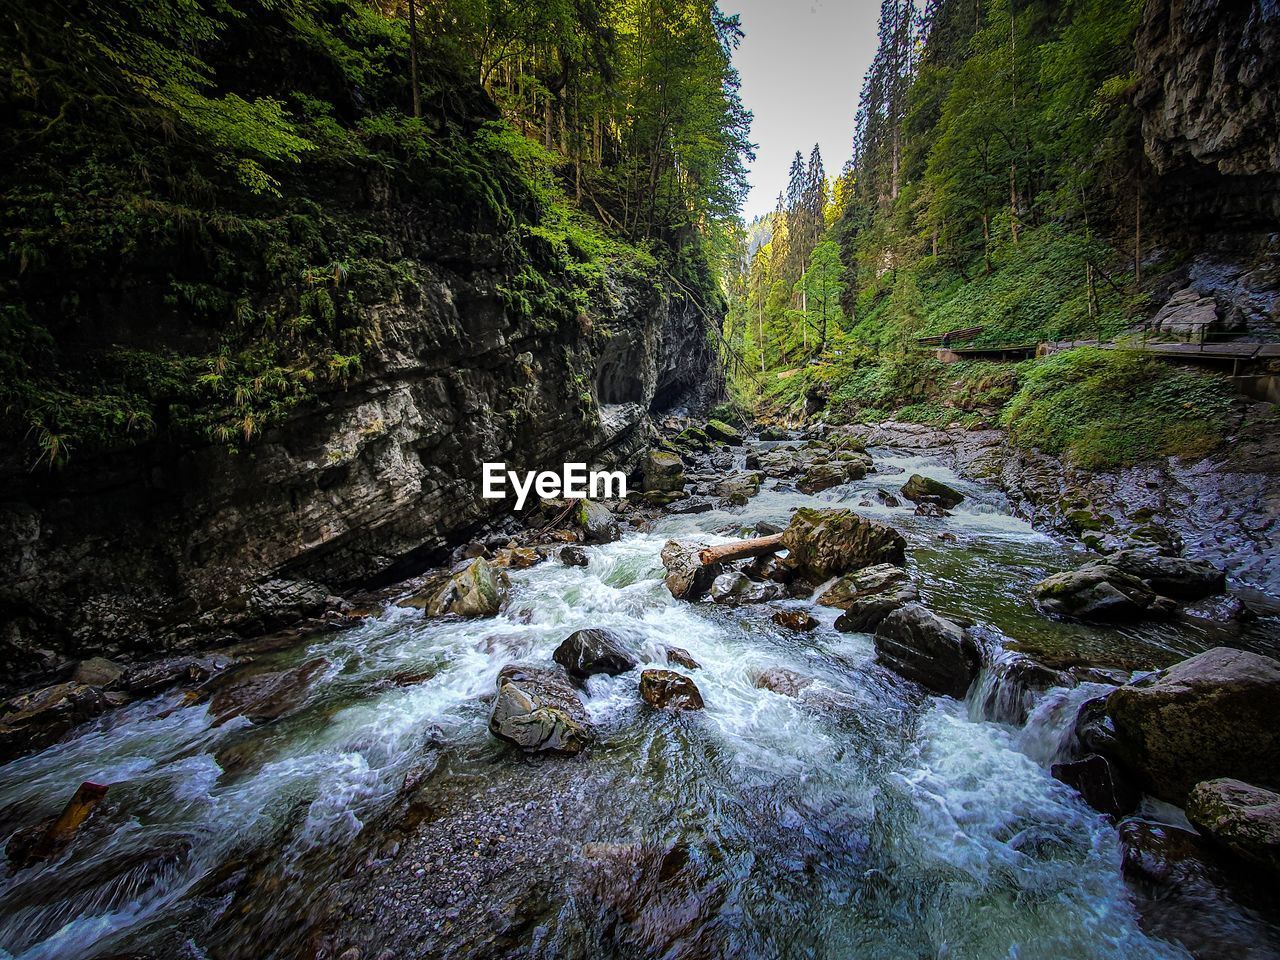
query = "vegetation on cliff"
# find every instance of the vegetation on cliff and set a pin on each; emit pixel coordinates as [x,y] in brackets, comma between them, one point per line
[206,202]
[997,181]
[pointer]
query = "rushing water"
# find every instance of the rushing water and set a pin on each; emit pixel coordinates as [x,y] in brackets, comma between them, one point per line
[860,819]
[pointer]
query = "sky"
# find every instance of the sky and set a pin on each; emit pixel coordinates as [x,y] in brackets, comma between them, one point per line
[802,63]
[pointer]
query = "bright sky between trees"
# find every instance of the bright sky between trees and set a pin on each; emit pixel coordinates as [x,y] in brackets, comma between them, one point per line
[802,64]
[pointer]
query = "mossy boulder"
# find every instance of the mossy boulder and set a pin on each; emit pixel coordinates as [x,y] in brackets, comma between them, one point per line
[662,471]
[1240,817]
[828,543]
[719,430]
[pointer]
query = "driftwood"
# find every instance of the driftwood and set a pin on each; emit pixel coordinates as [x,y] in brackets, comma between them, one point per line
[740,550]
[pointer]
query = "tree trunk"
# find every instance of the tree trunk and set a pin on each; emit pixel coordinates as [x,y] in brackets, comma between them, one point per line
[413,59]
[740,550]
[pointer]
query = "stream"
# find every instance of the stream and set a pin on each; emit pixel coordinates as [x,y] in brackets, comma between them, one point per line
[861,818]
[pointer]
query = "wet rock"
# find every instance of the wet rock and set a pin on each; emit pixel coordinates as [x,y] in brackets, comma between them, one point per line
[1101,784]
[782,463]
[796,620]
[918,487]
[591,651]
[262,696]
[769,567]
[739,485]
[734,589]
[1100,593]
[687,578]
[474,590]
[1211,716]
[36,720]
[97,672]
[662,471]
[537,709]
[1240,817]
[865,613]
[572,556]
[831,473]
[827,543]
[1221,611]
[691,505]
[882,497]
[771,432]
[930,508]
[916,643]
[48,839]
[719,430]
[597,523]
[681,657]
[783,681]
[668,690]
[1175,577]
[516,558]
[861,583]
[150,678]
[1184,894]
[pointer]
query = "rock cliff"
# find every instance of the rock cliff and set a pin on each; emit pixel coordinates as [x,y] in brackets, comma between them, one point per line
[154,548]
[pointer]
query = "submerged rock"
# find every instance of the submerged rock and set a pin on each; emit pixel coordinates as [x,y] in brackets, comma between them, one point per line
[826,543]
[783,681]
[262,695]
[921,489]
[1240,817]
[796,620]
[591,651]
[668,690]
[1208,717]
[1101,593]
[916,643]
[537,709]
[681,657]
[35,720]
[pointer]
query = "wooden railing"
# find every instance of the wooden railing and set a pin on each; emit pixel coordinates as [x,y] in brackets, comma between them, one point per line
[950,337]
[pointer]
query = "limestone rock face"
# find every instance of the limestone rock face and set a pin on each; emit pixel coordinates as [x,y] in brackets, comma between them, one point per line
[1205,718]
[538,710]
[916,643]
[828,543]
[668,690]
[1241,817]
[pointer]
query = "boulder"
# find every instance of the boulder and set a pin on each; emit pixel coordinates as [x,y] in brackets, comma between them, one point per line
[918,487]
[687,578]
[681,657]
[861,583]
[262,695]
[882,497]
[796,620]
[538,710]
[97,672]
[1187,315]
[746,485]
[662,471]
[783,681]
[1100,783]
[1175,577]
[827,543]
[597,523]
[572,556]
[831,473]
[916,643]
[668,690]
[719,430]
[691,505]
[734,589]
[781,464]
[1240,817]
[591,651]
[930,508]
[865,613]
[1100,593]
[36,720]
[1211,716]
[474,589]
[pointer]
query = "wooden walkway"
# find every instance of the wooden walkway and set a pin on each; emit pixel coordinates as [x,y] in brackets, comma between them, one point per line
[1227,350]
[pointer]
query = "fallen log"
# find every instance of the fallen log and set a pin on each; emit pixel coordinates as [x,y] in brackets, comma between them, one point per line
[740,550]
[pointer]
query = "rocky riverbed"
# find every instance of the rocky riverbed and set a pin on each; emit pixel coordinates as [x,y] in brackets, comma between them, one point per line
[879,734]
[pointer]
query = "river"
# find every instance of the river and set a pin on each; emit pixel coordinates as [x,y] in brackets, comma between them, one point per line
[861,819]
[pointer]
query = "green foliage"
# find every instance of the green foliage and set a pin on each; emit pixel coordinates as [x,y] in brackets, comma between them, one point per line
[1105,409]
